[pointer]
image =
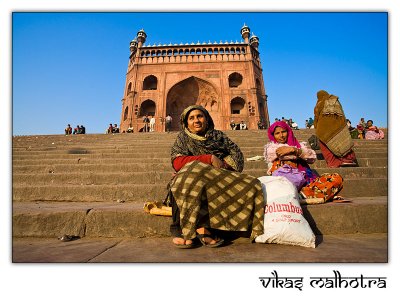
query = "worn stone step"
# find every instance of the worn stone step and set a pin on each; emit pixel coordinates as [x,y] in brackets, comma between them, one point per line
[154,145]
[139,157]
[109,139]
[53,142]
[363,159]
[110,219]
[91,193]
[90,178]
[353,187]
[165,153]
[164,166]
[363,162]
[151,176]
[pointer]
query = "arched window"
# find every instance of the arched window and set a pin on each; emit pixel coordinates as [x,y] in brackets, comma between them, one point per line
[129,89]
[150,83]
[148,107]
[235,79]
[237,105]
[126,113]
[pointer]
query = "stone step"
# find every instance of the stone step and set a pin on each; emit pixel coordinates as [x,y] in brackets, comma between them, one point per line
[252,169]
[93,136]
[362,162]
[91,193]
[353,187]
[154,145]
[157,144]
[109,219]
[162,153]
[150,176]
[165,153]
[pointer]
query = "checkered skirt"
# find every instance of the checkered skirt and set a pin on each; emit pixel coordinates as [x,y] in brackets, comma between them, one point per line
[219,199]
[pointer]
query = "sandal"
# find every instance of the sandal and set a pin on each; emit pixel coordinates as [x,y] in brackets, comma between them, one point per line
[205,235]
[183,246]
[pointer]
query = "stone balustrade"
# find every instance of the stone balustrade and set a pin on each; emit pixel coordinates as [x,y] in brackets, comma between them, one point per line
[195,53]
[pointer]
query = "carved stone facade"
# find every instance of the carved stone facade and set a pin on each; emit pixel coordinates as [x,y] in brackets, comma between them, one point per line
[225,78]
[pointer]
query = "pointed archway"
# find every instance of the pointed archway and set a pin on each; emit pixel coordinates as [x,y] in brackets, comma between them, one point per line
[192,91]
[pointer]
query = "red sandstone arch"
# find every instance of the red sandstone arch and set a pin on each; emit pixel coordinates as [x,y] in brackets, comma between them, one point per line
[126,113]
[190,91]
[237,106]
[150,83]
[129,89]
[148,107]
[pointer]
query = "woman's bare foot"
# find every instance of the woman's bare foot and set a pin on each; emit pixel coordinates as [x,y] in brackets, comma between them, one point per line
[181,241]
[207,240]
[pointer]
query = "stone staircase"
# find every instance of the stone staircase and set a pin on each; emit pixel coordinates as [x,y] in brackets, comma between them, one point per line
[95,185]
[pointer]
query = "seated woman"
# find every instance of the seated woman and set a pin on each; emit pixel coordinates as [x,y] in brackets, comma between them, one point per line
[372,132]
[208,191]
[284,149]
[331,129]
[68,130]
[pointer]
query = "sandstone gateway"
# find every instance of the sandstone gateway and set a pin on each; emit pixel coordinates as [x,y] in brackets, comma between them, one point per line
[226,78]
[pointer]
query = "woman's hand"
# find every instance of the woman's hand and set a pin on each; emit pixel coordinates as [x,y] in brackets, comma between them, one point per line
[286,150]
[216,162]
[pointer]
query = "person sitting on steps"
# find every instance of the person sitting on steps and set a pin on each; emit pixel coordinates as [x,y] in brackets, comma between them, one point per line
[208,193]
[331,129]
[68,130]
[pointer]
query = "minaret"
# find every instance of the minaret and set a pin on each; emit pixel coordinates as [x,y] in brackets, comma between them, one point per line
[133,46]
[245,31]
[254,41]
[141,37]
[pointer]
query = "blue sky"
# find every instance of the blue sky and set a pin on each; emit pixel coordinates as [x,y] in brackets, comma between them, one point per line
[70,67]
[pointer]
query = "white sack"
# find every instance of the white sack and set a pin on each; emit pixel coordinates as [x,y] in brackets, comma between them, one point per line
[284,222]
